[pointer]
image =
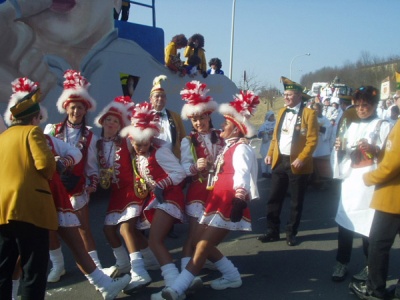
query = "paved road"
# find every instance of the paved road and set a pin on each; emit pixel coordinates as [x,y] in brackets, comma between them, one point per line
[269,271]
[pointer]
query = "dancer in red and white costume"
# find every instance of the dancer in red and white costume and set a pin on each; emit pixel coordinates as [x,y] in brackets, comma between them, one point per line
[126,201]
[81,180]
[227,204]
[198,153]
[158,167]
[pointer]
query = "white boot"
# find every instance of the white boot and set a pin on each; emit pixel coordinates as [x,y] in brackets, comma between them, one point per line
[139,276]
[176,291]
[150,260]
[108,287]
[57,270]
[15,287]
[230,275]
[95,258]
[170,272]
[122,264]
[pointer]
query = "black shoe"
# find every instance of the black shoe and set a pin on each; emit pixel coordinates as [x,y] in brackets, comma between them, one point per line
[393,291]
[290,239]
[270,236]
[362,291]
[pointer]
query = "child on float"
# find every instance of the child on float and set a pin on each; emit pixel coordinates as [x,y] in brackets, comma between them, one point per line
[158,167]
[125,202]
[227,205]
[80,180]
[66,156]
[198,153]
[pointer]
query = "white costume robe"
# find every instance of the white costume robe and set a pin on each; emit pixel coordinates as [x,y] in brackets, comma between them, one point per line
[354,212]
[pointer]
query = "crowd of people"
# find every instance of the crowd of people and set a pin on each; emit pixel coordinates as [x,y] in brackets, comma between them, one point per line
[352,143]
[195,54]
[155,176]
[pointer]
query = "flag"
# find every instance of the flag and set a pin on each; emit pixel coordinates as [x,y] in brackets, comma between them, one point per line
[397,81]
[385,88]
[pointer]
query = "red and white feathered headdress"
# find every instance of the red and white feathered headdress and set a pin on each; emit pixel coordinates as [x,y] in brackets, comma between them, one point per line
[75,90]
[198,103]
[21,87]
[240,110]
[145,123]
[120,108]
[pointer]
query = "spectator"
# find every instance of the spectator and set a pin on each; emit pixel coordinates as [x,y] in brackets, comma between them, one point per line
[171,56]
[128,83]
[394,115]
[322,154]
[381,109]
[329,111]
[196,46]
[192,67]
[265,134]
[123,11]
[215,66]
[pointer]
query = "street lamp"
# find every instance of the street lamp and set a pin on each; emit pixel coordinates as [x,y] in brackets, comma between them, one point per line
[232,37]
[305,54]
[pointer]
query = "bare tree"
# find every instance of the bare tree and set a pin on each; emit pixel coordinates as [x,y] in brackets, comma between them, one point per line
[249,82]
[367,70]
[269,95]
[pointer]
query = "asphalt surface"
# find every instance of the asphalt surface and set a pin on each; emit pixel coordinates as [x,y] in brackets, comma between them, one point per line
[269,271]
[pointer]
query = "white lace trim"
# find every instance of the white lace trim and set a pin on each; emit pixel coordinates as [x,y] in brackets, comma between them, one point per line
[215,220]
[67,219]
[130,212]
[195,210]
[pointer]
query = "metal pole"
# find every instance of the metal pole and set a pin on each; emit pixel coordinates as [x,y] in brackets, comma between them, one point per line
[305,54]
[232,38]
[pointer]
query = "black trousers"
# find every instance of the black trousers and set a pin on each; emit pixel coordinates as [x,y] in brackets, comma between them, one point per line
[345,245]
[31,243]
[124,13]
[282,177]
[383,232]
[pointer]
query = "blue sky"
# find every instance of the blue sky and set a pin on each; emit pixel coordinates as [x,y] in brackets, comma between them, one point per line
[268,34]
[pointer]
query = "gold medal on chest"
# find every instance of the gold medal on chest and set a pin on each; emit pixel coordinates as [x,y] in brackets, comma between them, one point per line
[105,177]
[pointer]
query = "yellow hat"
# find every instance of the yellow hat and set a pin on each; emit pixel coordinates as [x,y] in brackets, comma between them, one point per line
[157,84]
[24,100]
